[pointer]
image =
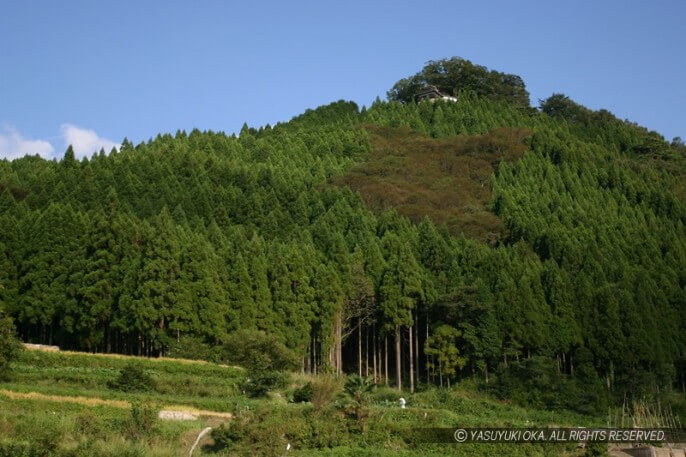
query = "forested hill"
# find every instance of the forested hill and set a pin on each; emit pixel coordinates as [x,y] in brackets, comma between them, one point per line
[554,235]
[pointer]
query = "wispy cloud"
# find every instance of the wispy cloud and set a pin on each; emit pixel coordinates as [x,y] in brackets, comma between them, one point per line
[13,145]
[84,141]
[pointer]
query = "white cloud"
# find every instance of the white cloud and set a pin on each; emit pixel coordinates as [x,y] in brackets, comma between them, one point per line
[13,145]
[85,142]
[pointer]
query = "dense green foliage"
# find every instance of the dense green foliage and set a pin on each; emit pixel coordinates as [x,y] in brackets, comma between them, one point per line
[303,393]
[441,349]
[259,382]
[9,346]
[257,350]
[132,378]
[536,382]
[450,76]
[194,237]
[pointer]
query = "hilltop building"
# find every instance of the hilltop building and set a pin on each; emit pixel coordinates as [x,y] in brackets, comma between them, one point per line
[432,93]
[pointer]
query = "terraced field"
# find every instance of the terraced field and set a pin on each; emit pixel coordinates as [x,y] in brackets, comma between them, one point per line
[59,403]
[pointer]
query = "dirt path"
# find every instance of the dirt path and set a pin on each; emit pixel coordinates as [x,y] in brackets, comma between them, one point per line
[94,401]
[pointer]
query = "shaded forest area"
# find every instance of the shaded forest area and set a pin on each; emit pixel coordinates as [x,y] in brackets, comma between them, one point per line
[486,237]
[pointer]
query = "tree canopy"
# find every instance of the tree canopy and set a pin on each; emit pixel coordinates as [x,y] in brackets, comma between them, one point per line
[454,75]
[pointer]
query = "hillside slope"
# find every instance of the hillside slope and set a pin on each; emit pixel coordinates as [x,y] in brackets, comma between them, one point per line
[184,239]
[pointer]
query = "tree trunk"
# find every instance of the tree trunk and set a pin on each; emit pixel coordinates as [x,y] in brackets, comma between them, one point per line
[416,347]
[359,349]
[428,378]
[564,362]
[340,345]
[398,359]
[374,350]
[336,354]
[366,351]
[411,328]
[571,364]
[308,357]
[385,354]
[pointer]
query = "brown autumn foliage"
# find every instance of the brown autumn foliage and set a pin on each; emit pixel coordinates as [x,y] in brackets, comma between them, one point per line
[446,179]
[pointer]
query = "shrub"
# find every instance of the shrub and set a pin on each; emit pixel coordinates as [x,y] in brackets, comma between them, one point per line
[325,389]
[535,382]
[226,435]
[303,393]
[259,382]
[132,378]
[257,350]
[596,450]
[142,421]
[386,395]
[88,423]
[188,347]
[268,429]
[18,449]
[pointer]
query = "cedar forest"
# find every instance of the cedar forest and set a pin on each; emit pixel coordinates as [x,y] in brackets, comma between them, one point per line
[416,242]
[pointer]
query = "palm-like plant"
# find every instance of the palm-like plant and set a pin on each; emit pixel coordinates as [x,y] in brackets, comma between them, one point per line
[358,389]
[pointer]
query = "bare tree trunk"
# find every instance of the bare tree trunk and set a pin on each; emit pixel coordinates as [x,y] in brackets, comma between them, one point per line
[308,357]
[366,351]
[339,345]
[571,364]
[335,352]
[385,354]
[416,346]
[314,354]
[359,349]
[411,360]
[428,375]
[374,350]
[398,359]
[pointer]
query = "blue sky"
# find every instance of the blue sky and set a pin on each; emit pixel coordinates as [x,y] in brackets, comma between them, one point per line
[93,72]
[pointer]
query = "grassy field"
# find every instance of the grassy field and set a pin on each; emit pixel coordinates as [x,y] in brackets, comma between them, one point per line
[58,403]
